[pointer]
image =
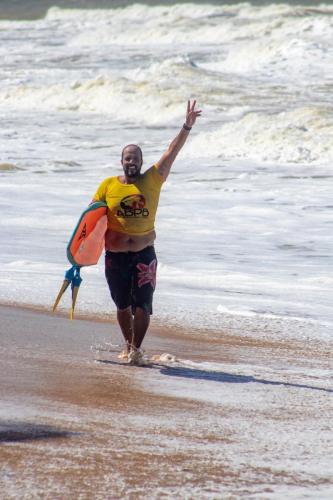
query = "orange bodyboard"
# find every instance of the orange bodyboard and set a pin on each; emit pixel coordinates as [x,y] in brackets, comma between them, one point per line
[88,239]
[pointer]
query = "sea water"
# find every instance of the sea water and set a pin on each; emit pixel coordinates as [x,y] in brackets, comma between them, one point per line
[244,227]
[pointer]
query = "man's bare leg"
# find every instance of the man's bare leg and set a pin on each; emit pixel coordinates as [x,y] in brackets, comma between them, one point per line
[125,320]
[141,323]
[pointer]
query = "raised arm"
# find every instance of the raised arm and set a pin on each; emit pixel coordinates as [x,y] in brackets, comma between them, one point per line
[165,163]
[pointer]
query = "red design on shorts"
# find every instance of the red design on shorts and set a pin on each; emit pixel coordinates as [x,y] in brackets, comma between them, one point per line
[147,273]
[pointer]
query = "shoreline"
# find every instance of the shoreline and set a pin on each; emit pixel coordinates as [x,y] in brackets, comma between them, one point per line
[157,324]
[224,337]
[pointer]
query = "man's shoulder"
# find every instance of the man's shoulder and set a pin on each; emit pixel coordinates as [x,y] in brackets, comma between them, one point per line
[109,180]
[152,172]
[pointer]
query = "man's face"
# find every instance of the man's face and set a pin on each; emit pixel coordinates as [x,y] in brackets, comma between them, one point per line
[131,162]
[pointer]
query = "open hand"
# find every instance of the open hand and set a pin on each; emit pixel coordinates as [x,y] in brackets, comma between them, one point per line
[191,113]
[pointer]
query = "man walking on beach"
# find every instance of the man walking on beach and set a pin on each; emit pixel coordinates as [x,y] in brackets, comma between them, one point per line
[130,259]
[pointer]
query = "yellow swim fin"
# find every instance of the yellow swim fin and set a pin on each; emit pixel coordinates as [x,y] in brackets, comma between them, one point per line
[75,291]
[64,287]
[73,278]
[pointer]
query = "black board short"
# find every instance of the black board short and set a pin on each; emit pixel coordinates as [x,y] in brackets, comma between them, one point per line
[131,277]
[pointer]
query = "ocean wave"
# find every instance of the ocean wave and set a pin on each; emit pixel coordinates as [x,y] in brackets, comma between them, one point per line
[282,57]
[152,96]
[280,40]
[303,135]
[191,23]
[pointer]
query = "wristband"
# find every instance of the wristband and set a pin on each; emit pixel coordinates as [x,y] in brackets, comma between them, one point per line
[186,127]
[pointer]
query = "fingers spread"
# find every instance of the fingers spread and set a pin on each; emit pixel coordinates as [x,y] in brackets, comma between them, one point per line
[192,113]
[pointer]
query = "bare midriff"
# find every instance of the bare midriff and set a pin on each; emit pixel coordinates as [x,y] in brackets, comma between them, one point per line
[121,242]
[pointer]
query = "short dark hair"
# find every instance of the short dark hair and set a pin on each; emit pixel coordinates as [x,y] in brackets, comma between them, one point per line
[134,146]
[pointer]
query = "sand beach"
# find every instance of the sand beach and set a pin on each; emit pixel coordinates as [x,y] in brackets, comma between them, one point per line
[234,418]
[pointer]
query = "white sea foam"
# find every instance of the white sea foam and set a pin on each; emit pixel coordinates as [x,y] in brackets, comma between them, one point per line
[177,23]
[303,135]
[116,96]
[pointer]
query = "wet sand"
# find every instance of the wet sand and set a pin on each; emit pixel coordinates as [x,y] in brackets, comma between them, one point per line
[235,417]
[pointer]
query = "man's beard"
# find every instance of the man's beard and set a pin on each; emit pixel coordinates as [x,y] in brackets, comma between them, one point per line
[132,172]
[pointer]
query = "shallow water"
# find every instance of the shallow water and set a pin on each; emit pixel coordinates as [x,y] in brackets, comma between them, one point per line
[244,237]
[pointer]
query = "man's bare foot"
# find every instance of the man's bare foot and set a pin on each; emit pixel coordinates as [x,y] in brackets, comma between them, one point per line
[123,355]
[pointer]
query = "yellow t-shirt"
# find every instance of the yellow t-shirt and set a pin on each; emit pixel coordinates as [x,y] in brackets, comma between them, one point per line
[132,207]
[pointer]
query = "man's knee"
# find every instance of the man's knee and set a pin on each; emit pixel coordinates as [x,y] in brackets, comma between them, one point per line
[124,312]
[142,311]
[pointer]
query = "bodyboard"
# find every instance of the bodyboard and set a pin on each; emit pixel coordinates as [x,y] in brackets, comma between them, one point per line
[87,241]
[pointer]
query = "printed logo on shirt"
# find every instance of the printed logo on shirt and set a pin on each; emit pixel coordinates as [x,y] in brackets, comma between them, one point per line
[133,206]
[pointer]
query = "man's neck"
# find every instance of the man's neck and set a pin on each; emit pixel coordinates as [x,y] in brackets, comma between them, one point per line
[128,180]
